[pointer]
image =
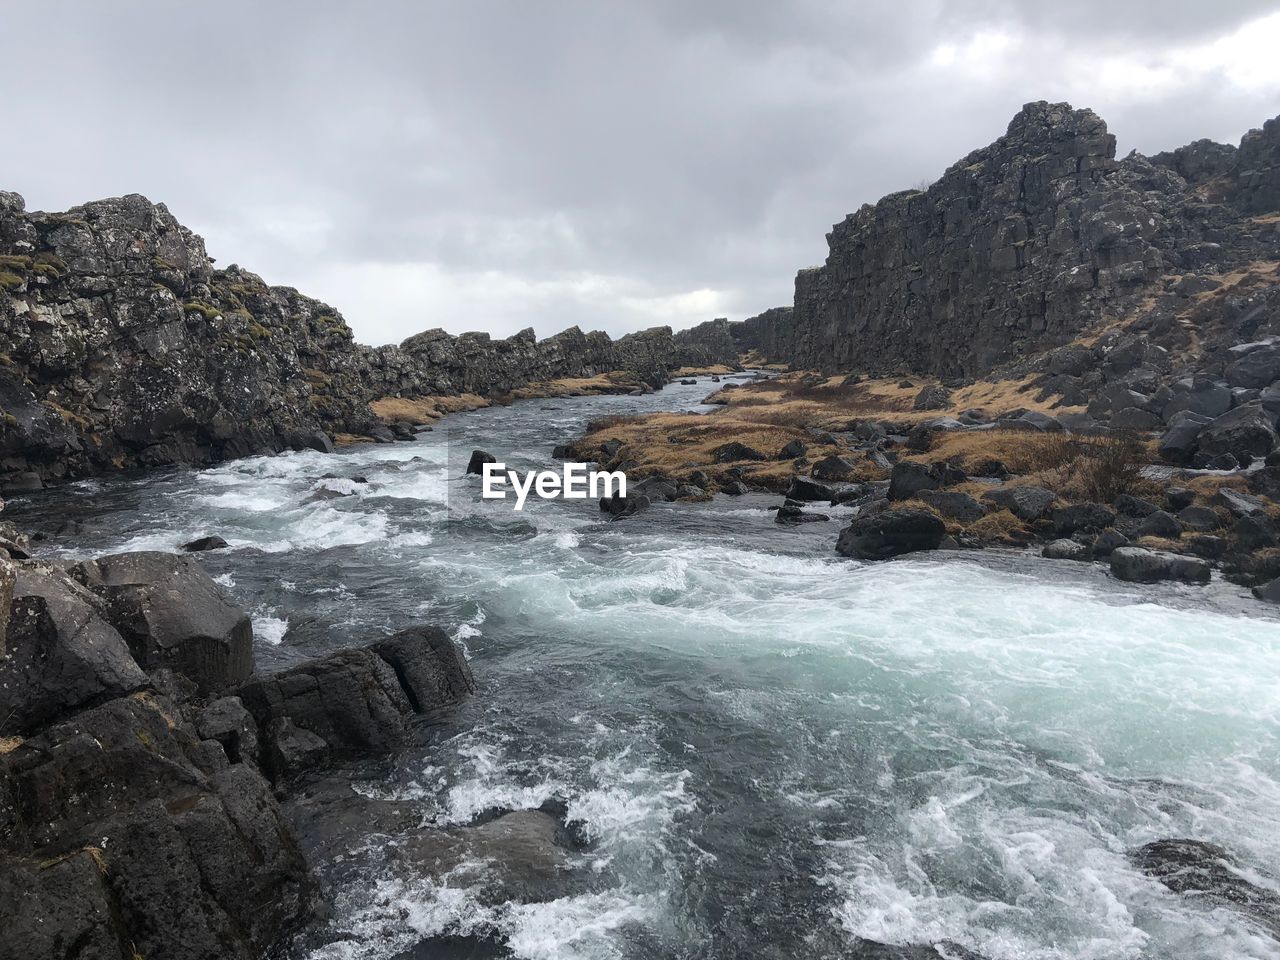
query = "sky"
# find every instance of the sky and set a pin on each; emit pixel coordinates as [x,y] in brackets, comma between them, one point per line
[479,165]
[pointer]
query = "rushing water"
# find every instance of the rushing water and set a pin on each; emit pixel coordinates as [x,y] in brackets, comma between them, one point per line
[773,751]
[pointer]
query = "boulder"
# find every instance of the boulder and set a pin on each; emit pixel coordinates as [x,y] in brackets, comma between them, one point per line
[1255,531]
[228,722]
[1108,541]
[1159,524]
[200,544]
[63,654]
[1131,506]
[1179,497]
[1064,549]
[478,459]
[619,507]
[1202,519]
[890,533]
[1032,420]
[1258,367]
[1178,444]
[656,488]
[804,489]
[173,615]
[792,450]
[908,478]
[833,468]
[954,505]
[1139,565]
[1081,516]
[792,514]
[932,397]
[1199,395]
[1246,433]
[734,488]
[734,452]
[1135,420]
[1027,503]
[1239,504]
[1269,591]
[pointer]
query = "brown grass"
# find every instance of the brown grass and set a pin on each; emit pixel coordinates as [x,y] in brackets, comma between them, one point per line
[424,409]
[9,744]
[716,369]
[1000,526]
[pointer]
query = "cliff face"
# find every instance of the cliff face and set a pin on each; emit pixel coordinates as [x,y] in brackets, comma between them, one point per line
[1022,246]
[121,346]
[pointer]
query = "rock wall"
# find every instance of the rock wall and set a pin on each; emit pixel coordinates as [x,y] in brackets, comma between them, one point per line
[122,346]
[1019,247]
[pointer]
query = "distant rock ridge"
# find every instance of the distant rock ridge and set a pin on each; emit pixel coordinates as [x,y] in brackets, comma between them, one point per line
[122,346]
[1023,246]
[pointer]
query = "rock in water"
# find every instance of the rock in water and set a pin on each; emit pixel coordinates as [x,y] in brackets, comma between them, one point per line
[889,534]
[201,544]
[478,459]
[1139,565]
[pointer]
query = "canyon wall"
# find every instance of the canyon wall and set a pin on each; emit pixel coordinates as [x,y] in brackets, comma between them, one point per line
[1022,246]
[121,345]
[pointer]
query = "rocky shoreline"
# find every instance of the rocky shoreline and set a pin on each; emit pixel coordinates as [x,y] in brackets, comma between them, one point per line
[153,787]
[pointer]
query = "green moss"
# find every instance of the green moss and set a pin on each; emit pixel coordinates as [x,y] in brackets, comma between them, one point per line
[206,310]
[10,281]
[258,331]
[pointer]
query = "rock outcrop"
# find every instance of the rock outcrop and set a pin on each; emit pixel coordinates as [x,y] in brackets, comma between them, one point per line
[1023,246]
[137,809]
[121,345]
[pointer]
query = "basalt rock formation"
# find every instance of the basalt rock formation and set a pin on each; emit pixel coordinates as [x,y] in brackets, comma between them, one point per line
[121,345]
[1022,246]
[140,785]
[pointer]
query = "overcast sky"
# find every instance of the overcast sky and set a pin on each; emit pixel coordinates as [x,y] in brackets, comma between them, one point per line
[483,165]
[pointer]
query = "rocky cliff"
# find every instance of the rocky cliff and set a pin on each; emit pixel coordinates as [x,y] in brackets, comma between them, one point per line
[121,345]
[1022,246]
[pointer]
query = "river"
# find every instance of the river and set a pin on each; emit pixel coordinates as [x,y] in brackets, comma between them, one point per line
[772,751]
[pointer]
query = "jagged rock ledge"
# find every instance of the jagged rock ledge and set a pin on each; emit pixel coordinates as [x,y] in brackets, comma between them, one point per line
[142,763]
[123,346]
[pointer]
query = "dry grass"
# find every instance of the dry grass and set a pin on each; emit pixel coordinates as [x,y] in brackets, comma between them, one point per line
[716,369]
[616,381]
[676,444]
[9,744]
[423,409]
[829,403]
[1000,526]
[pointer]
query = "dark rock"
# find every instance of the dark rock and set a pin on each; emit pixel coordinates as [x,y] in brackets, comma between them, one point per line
[792,450]
[1135,420]
[1027,503]
[1202,519]
[1198,395]
[656,488]
[933,397]
[908,478]
[1131,506]
[562,451]
[1205,870]
[63,654]
[619,507]
[478,459]
[734,488]
[292,750]
[173,615]
[1240,504]
[201,544]
[1259,366]
[1265,483]
[1221,461]
[792,514]
[889,534]
[1211,548]
[1245,433]
[1159,524]
[1178,444]
[1081,516]
[227,721]
[733,452]
[804,489]
[1255,531]
[1269,591]
[1179,497]
[1066,550]
[956,506]
[1034,421]
[833,468]
[1139,565]
[1108,541]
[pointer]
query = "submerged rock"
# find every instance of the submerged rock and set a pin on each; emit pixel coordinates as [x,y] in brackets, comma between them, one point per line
[200,544]
[1198,868]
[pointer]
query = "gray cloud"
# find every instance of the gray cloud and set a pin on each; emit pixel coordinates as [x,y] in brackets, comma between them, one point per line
[497,165]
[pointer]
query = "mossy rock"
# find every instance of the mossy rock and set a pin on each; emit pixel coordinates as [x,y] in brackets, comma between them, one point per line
[206,310]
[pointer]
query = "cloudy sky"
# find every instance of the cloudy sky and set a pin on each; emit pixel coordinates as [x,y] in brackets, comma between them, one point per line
[486,165]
